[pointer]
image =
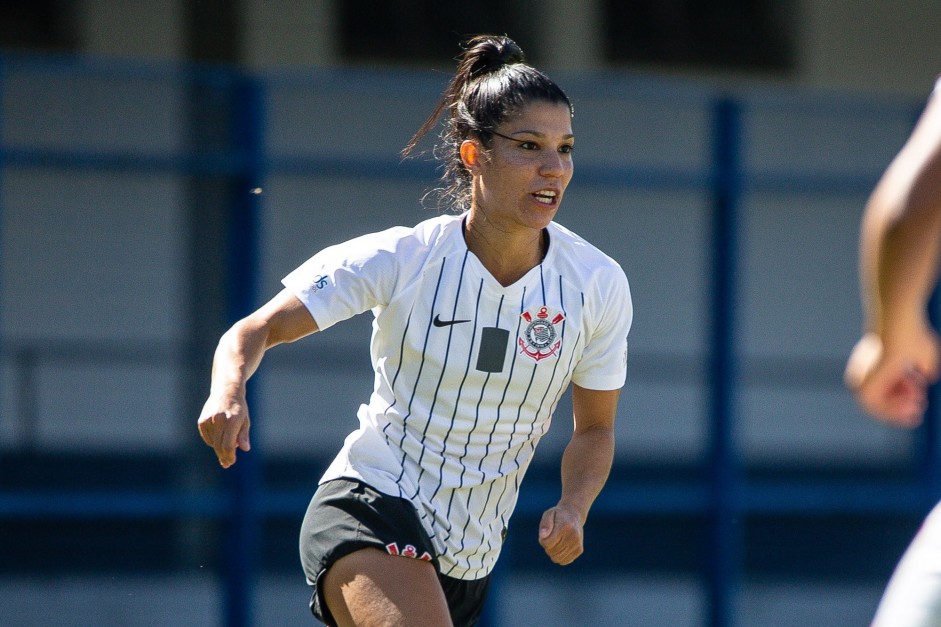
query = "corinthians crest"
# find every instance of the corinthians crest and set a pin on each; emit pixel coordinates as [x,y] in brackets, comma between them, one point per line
[540,338]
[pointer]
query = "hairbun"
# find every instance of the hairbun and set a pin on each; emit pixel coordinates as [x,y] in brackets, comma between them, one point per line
[489,53]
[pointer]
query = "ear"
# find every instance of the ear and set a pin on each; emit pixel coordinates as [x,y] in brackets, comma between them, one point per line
[470,154]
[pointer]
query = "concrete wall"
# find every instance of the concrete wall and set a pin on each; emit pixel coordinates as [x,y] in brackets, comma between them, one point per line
[881,45]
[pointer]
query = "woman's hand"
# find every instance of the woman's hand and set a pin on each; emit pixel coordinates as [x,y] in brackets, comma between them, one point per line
[224,425]
[891,383]
[561,534]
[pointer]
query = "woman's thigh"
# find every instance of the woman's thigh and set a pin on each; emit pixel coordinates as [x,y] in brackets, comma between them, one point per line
[370,588]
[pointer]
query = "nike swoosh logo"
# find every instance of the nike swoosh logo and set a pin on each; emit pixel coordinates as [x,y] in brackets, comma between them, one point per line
[438,322]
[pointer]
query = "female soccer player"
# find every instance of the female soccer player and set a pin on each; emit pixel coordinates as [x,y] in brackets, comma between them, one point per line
[482,318]
[898,357]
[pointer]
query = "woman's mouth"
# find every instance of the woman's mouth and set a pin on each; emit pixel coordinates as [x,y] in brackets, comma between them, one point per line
[545,196]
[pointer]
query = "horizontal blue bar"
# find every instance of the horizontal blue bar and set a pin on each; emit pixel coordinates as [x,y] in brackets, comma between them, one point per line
[220,164]
[855,498]
[103,68]
[692,498]
[810,182]
[120,504]
[756,498]
[230,163]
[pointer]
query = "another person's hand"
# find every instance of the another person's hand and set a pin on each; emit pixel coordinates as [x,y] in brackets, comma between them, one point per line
[224,424]
[561,534]
[892,384]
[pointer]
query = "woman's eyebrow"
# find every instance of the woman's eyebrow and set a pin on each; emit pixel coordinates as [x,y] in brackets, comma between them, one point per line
[534,133]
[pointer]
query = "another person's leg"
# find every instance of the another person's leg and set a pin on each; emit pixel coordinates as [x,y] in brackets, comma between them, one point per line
[370,588]
[913,596]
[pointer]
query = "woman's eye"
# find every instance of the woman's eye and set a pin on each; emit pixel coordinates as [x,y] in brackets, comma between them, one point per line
[566,149]
[529,146]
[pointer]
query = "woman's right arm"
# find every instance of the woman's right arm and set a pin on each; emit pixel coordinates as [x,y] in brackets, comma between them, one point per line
[224,422]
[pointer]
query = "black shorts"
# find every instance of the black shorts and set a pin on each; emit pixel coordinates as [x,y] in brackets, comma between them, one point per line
[347,515]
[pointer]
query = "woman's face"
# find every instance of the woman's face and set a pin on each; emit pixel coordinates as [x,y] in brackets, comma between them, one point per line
[519,181]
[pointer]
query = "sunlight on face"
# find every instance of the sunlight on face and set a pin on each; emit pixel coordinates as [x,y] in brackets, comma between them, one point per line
[522,177]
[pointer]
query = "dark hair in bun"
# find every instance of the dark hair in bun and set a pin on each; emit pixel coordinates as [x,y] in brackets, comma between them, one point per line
[484,54]
[492,81]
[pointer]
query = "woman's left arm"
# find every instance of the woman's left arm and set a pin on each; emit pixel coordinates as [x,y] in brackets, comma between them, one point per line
[586,464]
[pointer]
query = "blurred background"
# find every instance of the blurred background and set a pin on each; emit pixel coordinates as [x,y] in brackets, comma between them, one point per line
[164,163]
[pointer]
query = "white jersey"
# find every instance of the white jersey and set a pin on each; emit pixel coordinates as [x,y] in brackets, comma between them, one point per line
[468,372]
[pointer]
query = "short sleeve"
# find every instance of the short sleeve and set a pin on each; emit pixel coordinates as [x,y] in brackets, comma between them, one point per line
[603,364]
[347,279]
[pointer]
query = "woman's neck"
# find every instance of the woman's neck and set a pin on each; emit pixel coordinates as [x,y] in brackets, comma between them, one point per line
[508,256]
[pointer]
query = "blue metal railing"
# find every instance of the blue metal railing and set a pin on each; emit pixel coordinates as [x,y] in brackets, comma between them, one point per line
[244,261]
[724,496]
[725,474]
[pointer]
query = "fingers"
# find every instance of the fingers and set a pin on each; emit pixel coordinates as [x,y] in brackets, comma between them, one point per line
[225,448]
[895,394]
[863,358]
[546,525]
[205,431]
[225,432]
[929,361]
[561,536]
[900,399]
[890,387]
[243,441]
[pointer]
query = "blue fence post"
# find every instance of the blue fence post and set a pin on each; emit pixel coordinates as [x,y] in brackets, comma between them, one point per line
[930,458]
[724,559]
[3,78]
[244,544]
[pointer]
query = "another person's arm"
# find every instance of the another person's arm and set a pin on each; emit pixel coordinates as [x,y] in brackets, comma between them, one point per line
[586,464]
[897,358]
[224,421]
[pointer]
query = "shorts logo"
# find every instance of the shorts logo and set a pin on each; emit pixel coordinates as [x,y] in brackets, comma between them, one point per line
[407,551]
[540,338]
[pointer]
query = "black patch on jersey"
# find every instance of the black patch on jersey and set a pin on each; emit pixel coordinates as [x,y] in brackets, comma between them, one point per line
[492,354]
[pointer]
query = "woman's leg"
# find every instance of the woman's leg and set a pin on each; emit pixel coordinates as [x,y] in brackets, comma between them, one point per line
[370,588]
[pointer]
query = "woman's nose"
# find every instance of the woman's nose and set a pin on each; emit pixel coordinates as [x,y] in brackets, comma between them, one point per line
[553,164]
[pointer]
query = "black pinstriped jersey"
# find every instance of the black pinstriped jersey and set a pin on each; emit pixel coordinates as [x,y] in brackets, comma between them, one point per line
[468,372]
